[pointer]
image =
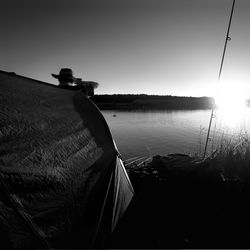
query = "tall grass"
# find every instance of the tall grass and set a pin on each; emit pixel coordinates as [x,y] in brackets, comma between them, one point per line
[232,156]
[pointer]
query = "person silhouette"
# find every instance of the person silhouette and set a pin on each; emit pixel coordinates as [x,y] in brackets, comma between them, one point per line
[66,77]
[67,80]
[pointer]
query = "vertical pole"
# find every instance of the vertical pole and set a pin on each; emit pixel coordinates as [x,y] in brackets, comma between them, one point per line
[221,67]
[208,132]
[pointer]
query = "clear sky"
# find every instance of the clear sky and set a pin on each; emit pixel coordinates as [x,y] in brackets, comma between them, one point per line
[165,47]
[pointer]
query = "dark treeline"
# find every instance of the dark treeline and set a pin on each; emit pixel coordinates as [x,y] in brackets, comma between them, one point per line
[145,102]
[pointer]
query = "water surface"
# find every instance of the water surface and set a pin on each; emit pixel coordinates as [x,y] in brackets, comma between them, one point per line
[149,133]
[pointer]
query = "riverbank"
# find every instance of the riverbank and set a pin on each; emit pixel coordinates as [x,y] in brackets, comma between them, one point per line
[150,102]
[182,202]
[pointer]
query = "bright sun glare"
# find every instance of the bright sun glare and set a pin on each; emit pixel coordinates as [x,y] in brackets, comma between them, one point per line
[230,100]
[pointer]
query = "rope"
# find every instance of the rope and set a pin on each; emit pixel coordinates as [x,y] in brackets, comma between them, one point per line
[130,159]
[143,162]
[139,159]
[220,71]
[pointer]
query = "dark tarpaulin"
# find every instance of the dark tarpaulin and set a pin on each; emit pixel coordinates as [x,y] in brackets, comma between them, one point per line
[62,181]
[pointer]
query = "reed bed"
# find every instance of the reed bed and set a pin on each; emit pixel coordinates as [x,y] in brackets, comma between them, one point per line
[232,157]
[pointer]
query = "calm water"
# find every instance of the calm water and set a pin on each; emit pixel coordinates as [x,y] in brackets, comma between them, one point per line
[148,133]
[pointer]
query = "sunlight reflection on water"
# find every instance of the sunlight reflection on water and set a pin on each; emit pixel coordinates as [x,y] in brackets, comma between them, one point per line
[149,133]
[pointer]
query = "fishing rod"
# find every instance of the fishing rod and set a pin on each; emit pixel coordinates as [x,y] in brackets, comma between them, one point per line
[228,38]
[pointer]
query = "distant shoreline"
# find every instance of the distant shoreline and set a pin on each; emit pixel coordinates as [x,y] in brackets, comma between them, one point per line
[151,102]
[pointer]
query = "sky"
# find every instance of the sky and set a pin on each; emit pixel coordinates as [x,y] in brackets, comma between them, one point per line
[163,47]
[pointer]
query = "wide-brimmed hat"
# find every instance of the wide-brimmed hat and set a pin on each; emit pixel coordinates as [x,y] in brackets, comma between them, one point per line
[66,74]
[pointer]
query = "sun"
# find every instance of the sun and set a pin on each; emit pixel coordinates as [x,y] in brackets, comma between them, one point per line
[230,96]
[230,100]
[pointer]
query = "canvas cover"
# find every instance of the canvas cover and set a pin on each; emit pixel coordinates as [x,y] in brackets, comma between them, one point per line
[62,182]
